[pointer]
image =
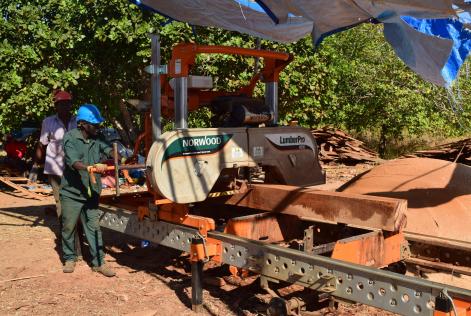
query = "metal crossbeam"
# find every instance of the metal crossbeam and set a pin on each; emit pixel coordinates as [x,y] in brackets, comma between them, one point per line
[159,232]
[382,289]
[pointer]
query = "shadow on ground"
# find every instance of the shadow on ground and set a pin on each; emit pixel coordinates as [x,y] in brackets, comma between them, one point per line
[167,265]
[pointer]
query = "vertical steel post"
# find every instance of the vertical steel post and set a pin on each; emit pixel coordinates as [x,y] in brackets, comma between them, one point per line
[271,99]
[197,280]
[155,87]
[181,102]
[116,168]
[197,286]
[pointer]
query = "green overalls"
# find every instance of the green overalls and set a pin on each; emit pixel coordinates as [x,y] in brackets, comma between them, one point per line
[79,197]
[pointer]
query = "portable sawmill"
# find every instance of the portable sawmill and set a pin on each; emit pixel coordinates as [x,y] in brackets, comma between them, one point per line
[245,193]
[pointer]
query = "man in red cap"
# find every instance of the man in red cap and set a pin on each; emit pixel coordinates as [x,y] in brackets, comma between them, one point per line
[50,144]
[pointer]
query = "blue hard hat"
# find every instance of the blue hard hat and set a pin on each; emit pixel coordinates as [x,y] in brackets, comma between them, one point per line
[89,113]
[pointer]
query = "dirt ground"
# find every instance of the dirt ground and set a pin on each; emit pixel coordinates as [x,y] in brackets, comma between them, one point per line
[150,281]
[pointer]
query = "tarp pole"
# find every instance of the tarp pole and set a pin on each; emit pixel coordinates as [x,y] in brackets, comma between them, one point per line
[155,87]
[181,102]
[271,99]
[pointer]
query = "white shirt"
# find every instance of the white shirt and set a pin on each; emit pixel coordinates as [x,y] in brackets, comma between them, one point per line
[52,133]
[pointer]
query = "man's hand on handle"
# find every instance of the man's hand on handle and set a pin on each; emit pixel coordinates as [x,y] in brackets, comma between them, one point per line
[100,168]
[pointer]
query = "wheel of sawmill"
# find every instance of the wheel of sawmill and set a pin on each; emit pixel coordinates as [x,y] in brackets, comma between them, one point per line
[278,307]
[398,267]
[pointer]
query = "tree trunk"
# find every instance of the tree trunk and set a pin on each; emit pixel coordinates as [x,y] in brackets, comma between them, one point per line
[382,142]
[127,120]
[258,44]
[122,132]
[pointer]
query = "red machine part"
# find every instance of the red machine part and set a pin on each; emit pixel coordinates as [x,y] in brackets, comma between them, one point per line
[184,55]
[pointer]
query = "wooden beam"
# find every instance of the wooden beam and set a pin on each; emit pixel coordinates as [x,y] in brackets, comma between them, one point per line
[310,204]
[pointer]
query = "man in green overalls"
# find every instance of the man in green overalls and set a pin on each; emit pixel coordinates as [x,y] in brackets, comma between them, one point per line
[83,149]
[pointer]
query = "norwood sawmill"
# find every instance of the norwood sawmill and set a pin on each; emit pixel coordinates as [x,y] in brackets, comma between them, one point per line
[241,192]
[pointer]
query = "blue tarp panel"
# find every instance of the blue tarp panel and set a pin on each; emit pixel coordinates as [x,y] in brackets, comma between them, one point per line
[430,36]
[453,30]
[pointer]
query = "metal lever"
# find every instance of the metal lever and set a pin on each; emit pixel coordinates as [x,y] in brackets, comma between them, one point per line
[116,168]
[92,171]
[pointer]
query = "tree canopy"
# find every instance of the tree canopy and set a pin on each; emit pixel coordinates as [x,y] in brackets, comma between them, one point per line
[98,50]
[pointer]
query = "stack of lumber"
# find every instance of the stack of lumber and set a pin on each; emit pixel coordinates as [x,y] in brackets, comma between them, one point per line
[20,184]
[459,151]
[338,147]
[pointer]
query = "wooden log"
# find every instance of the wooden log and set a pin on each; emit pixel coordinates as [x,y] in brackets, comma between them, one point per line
[362,210]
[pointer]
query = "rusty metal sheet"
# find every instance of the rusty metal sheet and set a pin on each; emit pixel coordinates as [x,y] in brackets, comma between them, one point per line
[268,227]
[438,194]
[371,249]
[263,226]
[337,207]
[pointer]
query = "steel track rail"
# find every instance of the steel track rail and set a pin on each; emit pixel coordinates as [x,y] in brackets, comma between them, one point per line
[378,288]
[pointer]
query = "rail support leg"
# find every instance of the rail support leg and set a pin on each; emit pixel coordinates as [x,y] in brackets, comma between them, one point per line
[197,281]
[197,286]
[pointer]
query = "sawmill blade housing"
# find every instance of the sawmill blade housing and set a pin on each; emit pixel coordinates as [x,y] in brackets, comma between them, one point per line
[185,165]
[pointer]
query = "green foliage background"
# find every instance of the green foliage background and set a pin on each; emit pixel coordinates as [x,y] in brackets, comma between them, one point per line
[98,49]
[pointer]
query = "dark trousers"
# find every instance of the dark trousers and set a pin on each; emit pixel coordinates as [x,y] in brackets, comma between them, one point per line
[55,182]
[89,215]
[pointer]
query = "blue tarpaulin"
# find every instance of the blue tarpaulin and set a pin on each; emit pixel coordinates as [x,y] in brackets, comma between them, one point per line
[451,29]
[430,36]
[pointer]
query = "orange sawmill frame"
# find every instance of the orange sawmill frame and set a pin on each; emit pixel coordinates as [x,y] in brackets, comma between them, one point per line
[185,54]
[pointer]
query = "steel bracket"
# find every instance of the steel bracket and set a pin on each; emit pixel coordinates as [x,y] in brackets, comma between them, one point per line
[153,212]
[330,284]
[154,69]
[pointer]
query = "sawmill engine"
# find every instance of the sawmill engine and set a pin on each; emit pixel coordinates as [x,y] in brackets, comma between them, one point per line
[186,165]
[238,111]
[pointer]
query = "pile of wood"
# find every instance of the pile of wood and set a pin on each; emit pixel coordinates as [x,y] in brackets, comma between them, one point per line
[459,151]
[20,184]
[336,146]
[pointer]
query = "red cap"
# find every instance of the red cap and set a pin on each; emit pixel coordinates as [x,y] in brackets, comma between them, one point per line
[61,95]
